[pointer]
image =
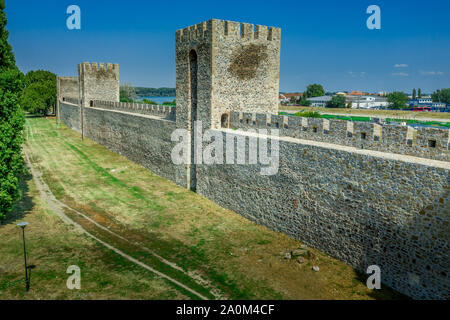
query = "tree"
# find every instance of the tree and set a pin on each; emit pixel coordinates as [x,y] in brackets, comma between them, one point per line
[314,90]
[293,100]
[12,120]
[127,93]
[442,95]
[7,60]
[398,99]
[419,93]
[414,94]
[336,102]
[148,101]
[40,92]
[170,103]
[304,102]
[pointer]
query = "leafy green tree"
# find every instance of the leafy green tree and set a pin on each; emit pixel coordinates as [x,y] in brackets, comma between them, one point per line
[419,93]
[12,120]
[314,90]
[398,99]
[441,95]
[304,102]
[33,101]
[7,60]
[293,100]
[170,103]
[308,114]
[414,94]
[337,101]
[40,92]
[148,101]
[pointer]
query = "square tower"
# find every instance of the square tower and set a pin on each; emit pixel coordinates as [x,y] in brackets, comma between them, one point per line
[98,82]
[225,66]
[67,88]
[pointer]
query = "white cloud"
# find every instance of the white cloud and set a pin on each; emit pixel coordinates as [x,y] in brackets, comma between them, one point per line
[356,74]
[400,74]
[431,73]
[400,65]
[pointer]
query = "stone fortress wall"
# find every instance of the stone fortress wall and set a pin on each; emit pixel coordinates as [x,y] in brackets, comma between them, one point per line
[70,114]
[361,206]
[363,193]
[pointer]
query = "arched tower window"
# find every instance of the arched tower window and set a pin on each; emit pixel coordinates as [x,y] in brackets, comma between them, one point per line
[224,120]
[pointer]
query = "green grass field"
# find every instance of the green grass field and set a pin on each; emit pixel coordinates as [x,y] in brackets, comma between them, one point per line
[308,113]
[211,250]
[372,113]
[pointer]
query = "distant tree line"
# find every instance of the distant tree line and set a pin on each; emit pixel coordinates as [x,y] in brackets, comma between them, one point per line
[39,96]
[155,92]
[127,93]
[441,95]
[398,100]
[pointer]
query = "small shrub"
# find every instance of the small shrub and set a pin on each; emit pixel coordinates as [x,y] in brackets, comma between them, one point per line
[308,114]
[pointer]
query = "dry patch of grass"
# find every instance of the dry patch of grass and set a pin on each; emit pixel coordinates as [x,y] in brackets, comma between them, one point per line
[53,246]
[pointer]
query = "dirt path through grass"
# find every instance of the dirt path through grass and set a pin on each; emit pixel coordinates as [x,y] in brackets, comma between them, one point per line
[58,208]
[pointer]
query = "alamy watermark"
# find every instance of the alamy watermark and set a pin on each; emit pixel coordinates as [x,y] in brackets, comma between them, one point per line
[74,20]
[208,148]
[374,280]
[74,281]
[374,20]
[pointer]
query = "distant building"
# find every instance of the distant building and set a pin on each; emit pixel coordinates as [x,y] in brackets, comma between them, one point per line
[426,102]
[286,97]
[283,98]
[319,101]
[356,93]
[361,102]
[367,102]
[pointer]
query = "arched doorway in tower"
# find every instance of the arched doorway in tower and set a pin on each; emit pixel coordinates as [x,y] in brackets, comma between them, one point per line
[193,77]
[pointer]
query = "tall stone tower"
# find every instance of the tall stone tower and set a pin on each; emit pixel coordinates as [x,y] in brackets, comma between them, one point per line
[98,82]
[225,66]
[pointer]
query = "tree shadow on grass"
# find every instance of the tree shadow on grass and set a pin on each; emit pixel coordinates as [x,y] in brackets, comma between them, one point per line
[25,205]
[32,115]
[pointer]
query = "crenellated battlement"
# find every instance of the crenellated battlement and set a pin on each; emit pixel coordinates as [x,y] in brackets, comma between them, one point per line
[199,31]
[94,66]
[165,112]
[426,142]
[100,69]
[224,29]
[98,81]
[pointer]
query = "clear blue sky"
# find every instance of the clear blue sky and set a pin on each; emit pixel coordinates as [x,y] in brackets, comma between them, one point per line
[323,41]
